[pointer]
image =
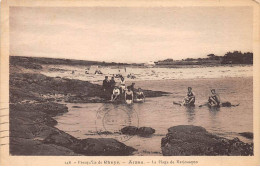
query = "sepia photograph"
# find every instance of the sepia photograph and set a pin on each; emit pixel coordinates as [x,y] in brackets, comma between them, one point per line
[130,81]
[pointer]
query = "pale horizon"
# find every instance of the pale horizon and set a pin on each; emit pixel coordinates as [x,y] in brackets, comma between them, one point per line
[129,35]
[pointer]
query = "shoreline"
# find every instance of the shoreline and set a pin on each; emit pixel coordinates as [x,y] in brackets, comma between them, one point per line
[35,101]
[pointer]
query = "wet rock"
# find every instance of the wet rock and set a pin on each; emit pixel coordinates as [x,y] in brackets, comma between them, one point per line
[145,131]
[129,130]
[142,131]
[226,104]
[76,107]
[21,146]
[247,135]
[84,99]
[63,139]
[49,108]
[150,93]
[100,146]
[105,147]
[189,140]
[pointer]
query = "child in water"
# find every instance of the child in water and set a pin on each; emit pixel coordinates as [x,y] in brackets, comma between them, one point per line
[190,98]
[214,100]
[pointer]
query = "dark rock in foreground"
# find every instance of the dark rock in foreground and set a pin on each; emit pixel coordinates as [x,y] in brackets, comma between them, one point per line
[188,140]
[142,131]
[32,133]
[247,135]
[50,108]
[90,146]
[104,147]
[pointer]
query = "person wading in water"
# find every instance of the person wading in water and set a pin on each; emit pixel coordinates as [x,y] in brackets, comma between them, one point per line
[214,99]
[190,98]
[129,96]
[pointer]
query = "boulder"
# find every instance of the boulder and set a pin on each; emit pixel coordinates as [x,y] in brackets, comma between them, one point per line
[145,131]
[129,130]
[90,146]
[142,131]
[189,140]
[105,147]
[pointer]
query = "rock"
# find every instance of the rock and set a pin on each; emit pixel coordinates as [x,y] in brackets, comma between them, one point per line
[105,147]
[63,139]
[247,135]
[145,131]
[50,108]
[129,130]
[76,107]
[100,146]
[150,93]
[142,131]
[25,147]
[226,104]
[189,140]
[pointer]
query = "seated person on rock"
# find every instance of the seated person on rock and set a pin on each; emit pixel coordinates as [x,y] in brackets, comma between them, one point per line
[115,94]
[214,99]
[190,98]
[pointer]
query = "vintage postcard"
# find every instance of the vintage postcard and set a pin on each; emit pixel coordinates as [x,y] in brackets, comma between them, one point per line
[136,83]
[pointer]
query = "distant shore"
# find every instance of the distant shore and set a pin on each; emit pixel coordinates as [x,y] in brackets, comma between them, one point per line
[37,61]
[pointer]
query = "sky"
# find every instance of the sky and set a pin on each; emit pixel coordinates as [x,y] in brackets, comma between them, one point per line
[129,34]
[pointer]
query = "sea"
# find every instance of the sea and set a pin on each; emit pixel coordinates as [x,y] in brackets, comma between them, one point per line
[104,120]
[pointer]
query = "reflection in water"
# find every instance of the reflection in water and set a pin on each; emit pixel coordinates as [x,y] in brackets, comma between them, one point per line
[113,117]
[214,110]
[190,110]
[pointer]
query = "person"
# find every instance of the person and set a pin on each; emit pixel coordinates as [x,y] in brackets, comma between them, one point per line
[122,84]
[129,96]
[106,84]
[214,99]
[140,95]
[132,87]
[115,94]
[190,98]
[112,82]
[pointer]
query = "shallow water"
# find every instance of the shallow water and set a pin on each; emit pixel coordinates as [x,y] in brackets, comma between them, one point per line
[160,114]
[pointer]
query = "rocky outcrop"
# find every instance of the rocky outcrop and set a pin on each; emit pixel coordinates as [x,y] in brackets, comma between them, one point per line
[32,86]
[142,131]
[50,108]
[29,147]
[33,133]
[188,140]
[248,135]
